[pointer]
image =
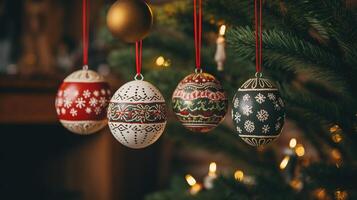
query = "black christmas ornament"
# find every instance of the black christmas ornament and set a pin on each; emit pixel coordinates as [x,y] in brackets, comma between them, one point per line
[258,111]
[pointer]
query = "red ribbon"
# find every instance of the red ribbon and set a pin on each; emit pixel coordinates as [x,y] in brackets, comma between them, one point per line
[138,56]
[197,21]
[258,35]
[85,31]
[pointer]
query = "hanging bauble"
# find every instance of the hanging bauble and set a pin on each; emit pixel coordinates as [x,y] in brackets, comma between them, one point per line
[82,101]
[258,111]
[137,114]
[200,102]
[130,20]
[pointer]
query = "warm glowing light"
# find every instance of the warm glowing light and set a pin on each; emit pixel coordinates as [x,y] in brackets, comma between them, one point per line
[300,150]
[160,61]
[341,195]
[195,189]
[336,155]
[222,30]
[296,184]
[212,169]
[190,180]
[334,128]
[284,162]
[239,175]
[292,143]
[337,138]
[320,193]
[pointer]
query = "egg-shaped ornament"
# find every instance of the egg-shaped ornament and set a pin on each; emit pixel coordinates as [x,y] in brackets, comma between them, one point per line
[199,102]
[258,111]
[137,114]
[81,102]
[130,20]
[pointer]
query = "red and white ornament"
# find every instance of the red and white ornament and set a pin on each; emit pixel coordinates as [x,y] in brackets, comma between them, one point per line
[81,102]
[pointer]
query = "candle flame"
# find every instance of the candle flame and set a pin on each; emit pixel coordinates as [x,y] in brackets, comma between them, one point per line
[222,30]
[190,180]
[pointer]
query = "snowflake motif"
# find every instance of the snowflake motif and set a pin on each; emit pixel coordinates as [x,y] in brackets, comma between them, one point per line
[236,103]
[97,110]
[66,93]
[271,96]
[67,103]
[102,101]
[58,111]
[277,126]
[249,126]
[281,102]
[73,112]
[262,115]
[239,130]
[246,97]
[247,110]
[276,106]
[80,102]
[59,102]
[237,117]
[96,93]
[260,98]
[88,110]
[265,129]
[93,101]
[63,111]
[60,92]
[86,93]
[102,91]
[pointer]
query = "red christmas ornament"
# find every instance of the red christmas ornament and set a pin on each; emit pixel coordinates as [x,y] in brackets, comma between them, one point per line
[82,101]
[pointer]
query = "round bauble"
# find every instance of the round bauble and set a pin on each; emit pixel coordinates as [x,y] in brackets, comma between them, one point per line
[81,102]
[130,20]
[258,112]
[137,114]
[200,102]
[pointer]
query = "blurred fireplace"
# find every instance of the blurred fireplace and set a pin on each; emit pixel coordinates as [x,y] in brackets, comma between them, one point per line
[39,159]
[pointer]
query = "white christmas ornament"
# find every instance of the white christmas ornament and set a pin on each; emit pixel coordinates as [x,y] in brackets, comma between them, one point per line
[137,114]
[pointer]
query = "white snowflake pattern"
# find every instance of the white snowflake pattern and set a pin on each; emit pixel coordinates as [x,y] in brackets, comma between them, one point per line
[63,111]
[58,111]
[73,112]
[247,110]
[260,98]
[80,103]
[97,110]
[277,126]
[66,93]
[102,101]
[102,91]
[262,115]
[265,129]
[276,106]
[246,97]
[96,93]
[88,110]
[239,130]
[237,117]
[93,101]
[271,96]
[236,103]
[67,102]
[249,126]
[281,102]
[86,93]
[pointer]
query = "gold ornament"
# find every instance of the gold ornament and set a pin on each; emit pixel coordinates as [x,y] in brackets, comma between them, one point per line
[130,20]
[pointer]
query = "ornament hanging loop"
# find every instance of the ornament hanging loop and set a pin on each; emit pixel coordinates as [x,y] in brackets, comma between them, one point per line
[258,74]
[139,77]
[198,70]
[85,67]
